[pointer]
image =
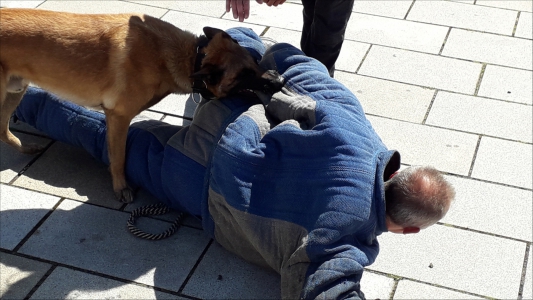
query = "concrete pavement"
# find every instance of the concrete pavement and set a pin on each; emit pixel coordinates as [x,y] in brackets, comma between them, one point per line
[447,83]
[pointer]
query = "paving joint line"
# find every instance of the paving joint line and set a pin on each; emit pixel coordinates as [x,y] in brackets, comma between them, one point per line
[265,31]
[433,88]
[409,10]
[426,115]
[394,288]
[36,227]
[40,282]
[94,273]
[489,182]
[442,56]
[445,40]
[193,269]
[516,24]
[451,129]
[363,59]
[480,78]
[484,232]
[476,150]
[524,271]
[400,278]
[31,162]
[90,272]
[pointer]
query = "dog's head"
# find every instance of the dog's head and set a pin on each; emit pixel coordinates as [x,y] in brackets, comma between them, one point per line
[228,68]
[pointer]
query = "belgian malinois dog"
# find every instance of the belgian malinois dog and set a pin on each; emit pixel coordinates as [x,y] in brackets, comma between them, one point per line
[121,62]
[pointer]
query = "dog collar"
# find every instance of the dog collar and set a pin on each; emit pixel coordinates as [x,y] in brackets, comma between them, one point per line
[199,86]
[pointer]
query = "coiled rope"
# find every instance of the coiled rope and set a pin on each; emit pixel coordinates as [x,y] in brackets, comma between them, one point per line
[153,210]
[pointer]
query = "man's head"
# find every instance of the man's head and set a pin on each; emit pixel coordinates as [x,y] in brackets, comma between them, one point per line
[416,198]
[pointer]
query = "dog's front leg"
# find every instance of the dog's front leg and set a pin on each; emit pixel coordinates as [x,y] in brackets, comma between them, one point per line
[8,104]
[117,130]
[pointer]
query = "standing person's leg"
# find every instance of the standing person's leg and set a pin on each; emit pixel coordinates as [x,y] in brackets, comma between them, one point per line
[308,16]
[325,23]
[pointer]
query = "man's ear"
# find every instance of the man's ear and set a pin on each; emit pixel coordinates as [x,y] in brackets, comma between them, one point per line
[408,230]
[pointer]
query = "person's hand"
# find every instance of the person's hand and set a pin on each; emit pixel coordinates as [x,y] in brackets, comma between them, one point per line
[273,2]
[241,8]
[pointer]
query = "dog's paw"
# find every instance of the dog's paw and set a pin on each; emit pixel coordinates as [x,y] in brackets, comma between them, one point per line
[125,195]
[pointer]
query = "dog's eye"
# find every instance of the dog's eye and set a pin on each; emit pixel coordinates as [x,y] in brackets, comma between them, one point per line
[213,78]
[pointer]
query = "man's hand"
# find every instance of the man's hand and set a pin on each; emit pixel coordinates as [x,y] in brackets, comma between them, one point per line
[241,8]
[273,2]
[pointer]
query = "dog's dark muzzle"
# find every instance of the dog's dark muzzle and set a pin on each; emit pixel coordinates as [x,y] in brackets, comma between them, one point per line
[272,82]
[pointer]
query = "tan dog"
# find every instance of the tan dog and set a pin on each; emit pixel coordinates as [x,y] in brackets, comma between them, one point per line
[123,63]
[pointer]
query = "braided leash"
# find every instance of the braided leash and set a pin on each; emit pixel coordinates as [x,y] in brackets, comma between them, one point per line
[153,210]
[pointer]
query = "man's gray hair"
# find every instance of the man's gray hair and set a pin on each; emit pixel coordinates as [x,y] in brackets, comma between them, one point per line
[418,197]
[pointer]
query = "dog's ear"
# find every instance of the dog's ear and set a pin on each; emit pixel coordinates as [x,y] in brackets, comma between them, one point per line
[210,32]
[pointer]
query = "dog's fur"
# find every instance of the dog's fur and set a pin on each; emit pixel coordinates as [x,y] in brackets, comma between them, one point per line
[123,63]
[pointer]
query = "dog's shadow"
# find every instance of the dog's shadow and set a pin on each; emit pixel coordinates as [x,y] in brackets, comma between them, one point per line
[78,239]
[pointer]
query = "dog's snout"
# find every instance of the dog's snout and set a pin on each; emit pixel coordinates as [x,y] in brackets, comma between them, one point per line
[274,81]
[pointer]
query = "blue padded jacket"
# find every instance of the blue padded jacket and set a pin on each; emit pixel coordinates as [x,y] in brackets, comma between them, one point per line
[293,183]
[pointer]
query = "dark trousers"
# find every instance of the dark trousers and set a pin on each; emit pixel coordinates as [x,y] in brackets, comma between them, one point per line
[324,26]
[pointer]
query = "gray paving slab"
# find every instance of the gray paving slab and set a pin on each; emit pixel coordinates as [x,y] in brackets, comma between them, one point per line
[396,33]
[13,162]
[387,98]
[461,15]
[96,239]
[176,121]
[427,70]
[480,115]
[528,280]
[19,275]
[20,211]
[446,150]
[524,28]
[505,211]
[195,23]
[207,8]
[147,115]
[66,283]
[507,84]
[70,172]
[97,7]
[395,92]
[21,4]
[408,289]
[222,275]
[489,48]
[376,286]
[514,5]
[393,9]
[504,162]
[437,255]
[352,53]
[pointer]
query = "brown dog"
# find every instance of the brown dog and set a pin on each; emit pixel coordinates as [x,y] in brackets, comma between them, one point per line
[123,63]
